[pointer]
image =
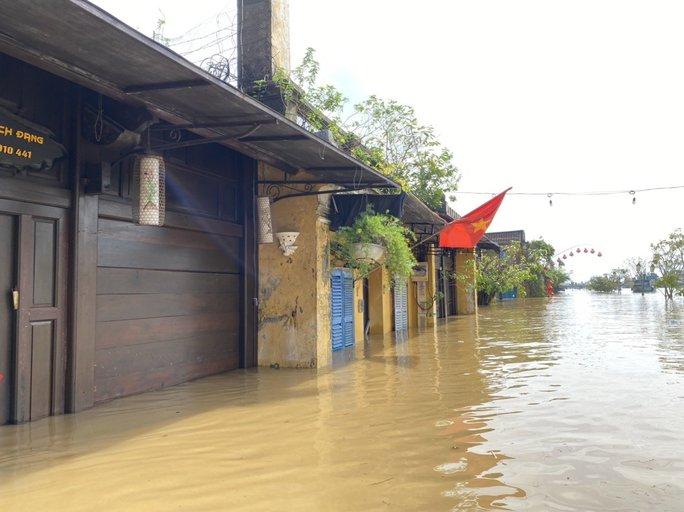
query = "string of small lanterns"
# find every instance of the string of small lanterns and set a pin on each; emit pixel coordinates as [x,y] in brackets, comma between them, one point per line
[569,253]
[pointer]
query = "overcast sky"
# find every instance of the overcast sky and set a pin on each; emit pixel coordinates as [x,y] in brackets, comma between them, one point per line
[541,95]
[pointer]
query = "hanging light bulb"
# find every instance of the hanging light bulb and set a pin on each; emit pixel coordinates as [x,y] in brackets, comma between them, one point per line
[599,254]
[565,256]
[633,194]
[592,251]
[550,200]
[586,250]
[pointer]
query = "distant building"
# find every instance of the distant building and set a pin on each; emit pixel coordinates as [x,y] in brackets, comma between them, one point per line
[503,238]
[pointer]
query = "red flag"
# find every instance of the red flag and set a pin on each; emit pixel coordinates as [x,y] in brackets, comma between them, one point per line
[464,233]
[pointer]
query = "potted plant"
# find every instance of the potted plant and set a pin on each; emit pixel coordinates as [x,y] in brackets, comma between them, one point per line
[374,240]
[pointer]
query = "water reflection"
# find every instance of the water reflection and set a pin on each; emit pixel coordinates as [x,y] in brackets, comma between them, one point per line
[574,403]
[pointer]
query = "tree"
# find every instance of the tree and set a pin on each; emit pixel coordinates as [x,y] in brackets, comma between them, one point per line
[619,275]
[496,273]
[384,134]
[539,260]
[603,284]
[398,145]
[668,260]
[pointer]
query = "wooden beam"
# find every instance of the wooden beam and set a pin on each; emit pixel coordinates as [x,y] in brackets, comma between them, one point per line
[83,291]
[161,86]
[249,282]
[273,138]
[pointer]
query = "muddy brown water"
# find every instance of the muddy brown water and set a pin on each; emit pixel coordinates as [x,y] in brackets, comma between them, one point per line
[573,403]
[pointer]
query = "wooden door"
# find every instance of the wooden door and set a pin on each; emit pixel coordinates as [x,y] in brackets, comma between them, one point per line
[34,333]
[8,250]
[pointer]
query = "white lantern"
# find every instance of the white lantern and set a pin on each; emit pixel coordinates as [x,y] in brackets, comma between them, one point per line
[265,234]
[148,190]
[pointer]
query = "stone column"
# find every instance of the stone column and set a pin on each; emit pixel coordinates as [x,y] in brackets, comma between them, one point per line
[466,294]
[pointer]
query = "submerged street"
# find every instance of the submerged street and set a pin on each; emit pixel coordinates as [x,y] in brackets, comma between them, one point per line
[572,403]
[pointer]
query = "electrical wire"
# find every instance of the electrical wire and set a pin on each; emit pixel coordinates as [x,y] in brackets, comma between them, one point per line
[585,193]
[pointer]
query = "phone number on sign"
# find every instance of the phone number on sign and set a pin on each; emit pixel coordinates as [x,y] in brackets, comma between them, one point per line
[18,152]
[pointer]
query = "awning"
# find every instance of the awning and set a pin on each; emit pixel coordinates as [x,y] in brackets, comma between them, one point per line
[349,206]
[84,44]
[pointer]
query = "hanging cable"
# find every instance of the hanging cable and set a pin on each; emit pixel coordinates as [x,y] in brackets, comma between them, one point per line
[584,193]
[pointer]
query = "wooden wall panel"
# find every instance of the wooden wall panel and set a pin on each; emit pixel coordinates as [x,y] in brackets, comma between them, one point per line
[130,280]
[121,333]
[131,383]
[167,308]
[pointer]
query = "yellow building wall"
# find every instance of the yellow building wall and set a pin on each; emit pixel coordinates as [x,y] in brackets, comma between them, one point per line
[466,294]
[294,291]
[380,302]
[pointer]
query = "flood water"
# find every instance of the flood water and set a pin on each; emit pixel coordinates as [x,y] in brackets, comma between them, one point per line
[573,403]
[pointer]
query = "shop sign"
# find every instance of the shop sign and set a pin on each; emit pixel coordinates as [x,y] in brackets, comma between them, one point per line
[25,145]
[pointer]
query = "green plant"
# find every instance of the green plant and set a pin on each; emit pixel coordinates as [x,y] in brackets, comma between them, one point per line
[381,229]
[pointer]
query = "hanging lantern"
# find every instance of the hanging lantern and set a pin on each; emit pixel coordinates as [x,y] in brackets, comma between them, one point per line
[592,251]
[599,254]
[565,256]
[149,191]
[550,200]
[265,235]
[572,253]
[586,250]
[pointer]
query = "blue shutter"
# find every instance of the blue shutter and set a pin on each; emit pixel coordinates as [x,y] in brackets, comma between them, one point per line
[400,305]
[336,309]
[348,320]
[341,308]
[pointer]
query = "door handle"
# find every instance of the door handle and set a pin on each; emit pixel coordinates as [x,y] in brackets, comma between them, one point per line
[15,299]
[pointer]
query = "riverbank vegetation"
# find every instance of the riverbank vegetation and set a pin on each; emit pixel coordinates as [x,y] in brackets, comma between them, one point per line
[525,268]
[665,269]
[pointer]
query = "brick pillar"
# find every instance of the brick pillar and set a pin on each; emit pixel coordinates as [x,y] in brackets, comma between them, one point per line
[466,294]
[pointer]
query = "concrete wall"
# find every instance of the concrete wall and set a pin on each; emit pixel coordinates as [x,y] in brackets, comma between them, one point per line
[294,291]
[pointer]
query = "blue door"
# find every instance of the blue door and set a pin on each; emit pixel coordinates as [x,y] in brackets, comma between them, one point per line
[342,308]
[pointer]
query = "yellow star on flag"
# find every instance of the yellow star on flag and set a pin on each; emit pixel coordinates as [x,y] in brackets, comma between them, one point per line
[480,225]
